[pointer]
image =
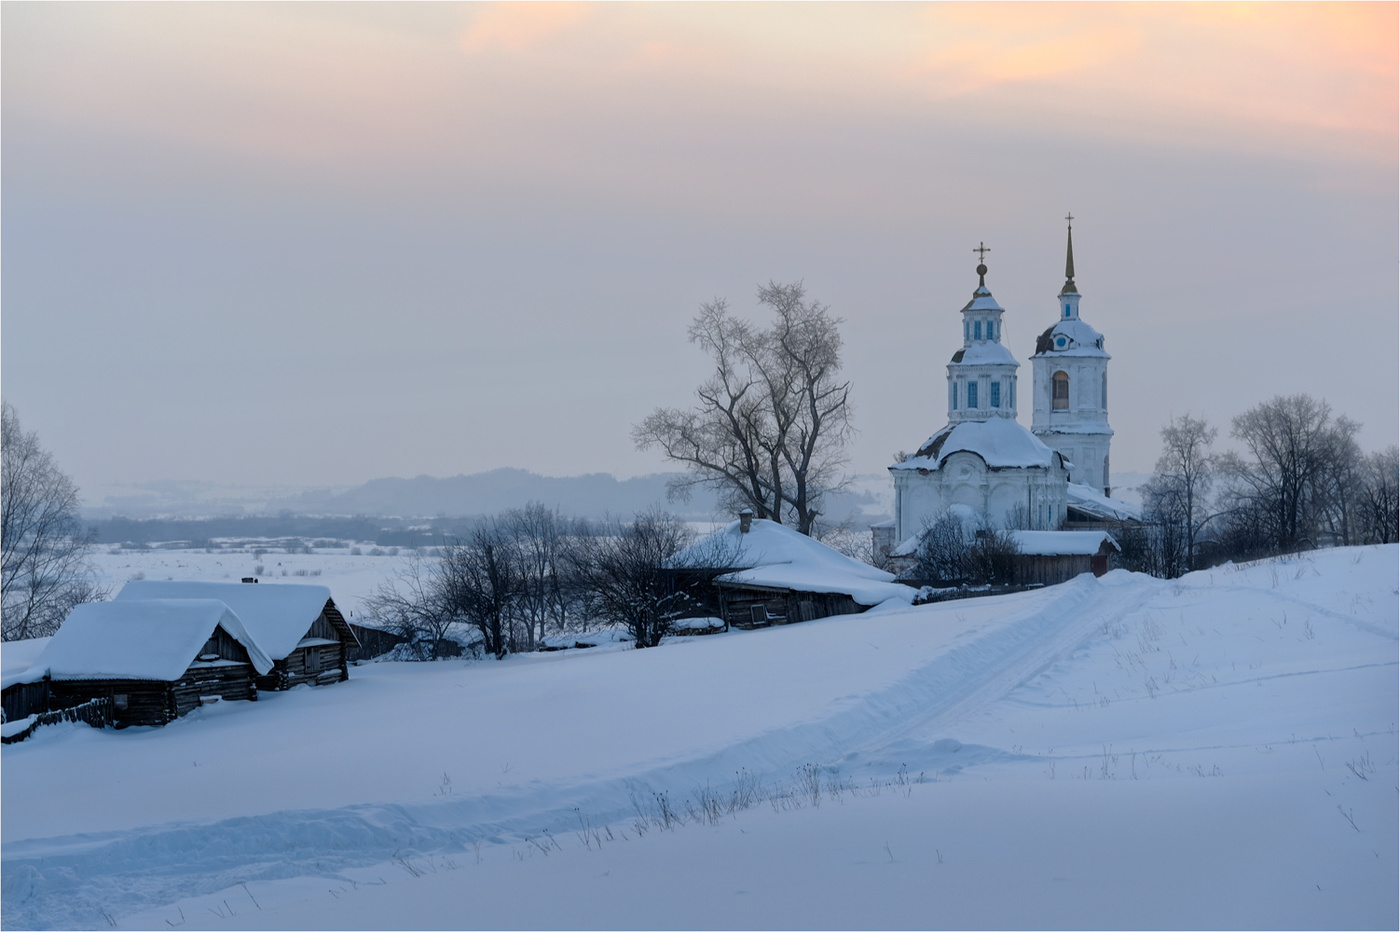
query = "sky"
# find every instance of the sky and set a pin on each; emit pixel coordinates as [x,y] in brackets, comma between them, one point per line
[312,245]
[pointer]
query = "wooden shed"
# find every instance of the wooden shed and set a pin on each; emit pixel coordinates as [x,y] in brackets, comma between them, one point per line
[298,626]
[1050,557]
[754,573]
[153,661]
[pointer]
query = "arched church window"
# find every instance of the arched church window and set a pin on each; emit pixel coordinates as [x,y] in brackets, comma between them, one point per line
[1066,310]
[1059,393]
[972,394]
[994,395]
[977,330]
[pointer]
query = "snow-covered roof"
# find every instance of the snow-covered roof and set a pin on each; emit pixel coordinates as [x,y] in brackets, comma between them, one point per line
[140,640]
[1000,441]
[781,558]
[1093,502]
[17,659]
[277,616]
[1079,340]
[985,353]
[1062,543]
[982,300]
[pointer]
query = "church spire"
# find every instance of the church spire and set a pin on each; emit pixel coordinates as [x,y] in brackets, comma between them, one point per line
[1070,287]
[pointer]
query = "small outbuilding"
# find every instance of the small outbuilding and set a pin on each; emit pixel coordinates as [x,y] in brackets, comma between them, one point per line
[754,573]
[298,626]
[1050,557]
[154,661]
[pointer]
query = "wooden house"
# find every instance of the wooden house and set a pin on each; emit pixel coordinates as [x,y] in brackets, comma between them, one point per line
[1050,557]
[754,573]
[298,626]
[153,661]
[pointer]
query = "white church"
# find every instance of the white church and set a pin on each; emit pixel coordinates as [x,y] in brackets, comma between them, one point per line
[989,470]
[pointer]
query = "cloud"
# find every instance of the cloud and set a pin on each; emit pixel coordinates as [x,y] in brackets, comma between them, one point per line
[514,26]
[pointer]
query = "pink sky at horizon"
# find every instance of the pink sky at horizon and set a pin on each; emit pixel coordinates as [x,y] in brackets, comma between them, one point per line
[385,181]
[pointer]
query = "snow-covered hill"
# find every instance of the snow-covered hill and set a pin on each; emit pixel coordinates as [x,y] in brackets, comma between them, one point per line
[1219,750]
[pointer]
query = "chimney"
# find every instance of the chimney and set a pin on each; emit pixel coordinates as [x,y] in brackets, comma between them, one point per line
[745,520]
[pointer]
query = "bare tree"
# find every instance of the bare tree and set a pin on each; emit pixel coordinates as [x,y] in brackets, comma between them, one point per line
[627,576]
[44,569]
[950,553]
[415,605]
[539,537]
[1278,491]
[1381,496]
[482,582]
[942,554]
[1176,497]
[773,419]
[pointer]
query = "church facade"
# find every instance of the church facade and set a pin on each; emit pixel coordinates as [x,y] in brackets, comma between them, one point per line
[983,466]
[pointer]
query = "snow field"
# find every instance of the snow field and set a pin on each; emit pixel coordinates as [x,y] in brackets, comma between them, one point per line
[1214,751]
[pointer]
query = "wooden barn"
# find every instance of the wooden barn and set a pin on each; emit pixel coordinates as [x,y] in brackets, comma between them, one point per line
[299,627]
[754,573]
[153,661]
[1050,557]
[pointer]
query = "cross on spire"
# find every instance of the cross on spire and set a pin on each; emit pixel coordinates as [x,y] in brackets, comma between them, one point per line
[982,249]
[1070,218]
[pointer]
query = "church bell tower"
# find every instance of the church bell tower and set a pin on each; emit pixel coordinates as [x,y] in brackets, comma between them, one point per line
[1069,410]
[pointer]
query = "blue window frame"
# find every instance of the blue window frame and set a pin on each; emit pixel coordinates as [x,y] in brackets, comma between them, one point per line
[972,394]
[967,332]
[1011,400]
[1066,310]
[994,396]
[952,395]
[977,330]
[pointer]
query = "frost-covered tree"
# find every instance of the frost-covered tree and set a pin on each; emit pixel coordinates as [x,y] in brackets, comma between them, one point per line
[771,424]
[44,570]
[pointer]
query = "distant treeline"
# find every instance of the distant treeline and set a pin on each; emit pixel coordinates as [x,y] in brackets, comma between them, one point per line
[203,532]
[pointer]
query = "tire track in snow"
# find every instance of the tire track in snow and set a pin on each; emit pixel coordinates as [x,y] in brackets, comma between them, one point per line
[72,880]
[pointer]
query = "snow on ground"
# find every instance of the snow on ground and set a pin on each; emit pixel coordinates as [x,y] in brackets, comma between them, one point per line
[1217,751]
[351,577]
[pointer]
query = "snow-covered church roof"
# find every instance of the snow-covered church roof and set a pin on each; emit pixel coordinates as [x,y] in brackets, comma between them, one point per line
[140,640]
[1071,337]
[988,353]
[1000,441]
[1093,502]
[779,557]
[277,616]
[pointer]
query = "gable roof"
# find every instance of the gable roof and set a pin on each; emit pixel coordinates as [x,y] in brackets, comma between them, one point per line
[277,616]
[140,640]
[778,557]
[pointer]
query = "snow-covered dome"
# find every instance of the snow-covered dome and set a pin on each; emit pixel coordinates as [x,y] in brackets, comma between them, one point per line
[1000,442]
[1071,337]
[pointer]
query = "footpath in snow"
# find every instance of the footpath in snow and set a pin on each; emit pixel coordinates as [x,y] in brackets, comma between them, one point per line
[1217,750]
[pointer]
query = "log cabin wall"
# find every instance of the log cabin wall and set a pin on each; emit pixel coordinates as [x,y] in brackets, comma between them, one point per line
[316,664]
[757,607]
[150,702]
[135,702]
[24,699]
